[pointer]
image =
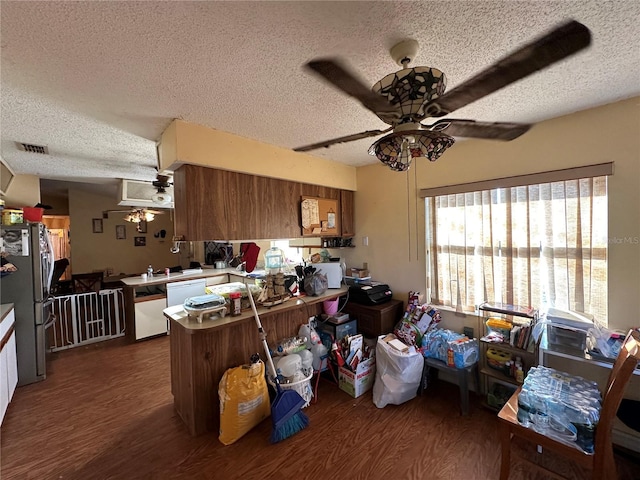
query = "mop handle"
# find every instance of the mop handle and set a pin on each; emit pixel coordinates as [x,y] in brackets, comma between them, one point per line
[263,336]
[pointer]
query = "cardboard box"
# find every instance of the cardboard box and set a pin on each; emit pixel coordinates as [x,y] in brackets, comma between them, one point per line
[358,382]
[359,272]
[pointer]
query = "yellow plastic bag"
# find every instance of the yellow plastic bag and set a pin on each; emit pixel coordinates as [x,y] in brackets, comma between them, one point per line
[244,401]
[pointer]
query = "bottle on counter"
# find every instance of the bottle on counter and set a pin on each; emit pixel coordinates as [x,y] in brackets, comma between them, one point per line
[167,272]
[150,271]
[236,303]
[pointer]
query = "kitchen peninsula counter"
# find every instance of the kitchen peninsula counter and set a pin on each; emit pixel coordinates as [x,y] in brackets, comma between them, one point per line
[202,352]
[145,300]
[160,279]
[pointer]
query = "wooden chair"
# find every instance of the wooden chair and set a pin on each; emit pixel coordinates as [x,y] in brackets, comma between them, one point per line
[87,282]
[601,463]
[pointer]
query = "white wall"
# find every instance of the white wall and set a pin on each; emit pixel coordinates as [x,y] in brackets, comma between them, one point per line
[98,251]
[24,191]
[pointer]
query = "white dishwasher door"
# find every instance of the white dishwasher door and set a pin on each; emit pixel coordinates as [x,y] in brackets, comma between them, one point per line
[178,292]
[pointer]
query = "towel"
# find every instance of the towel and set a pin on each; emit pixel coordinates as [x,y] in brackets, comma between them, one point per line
[249,252]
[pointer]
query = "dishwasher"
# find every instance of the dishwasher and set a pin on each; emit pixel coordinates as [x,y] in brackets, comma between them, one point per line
[178,292]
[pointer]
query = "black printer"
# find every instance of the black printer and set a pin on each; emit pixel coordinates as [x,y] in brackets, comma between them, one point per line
[370,294]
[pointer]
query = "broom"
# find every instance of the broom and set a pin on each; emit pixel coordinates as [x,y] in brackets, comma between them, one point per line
[286,415]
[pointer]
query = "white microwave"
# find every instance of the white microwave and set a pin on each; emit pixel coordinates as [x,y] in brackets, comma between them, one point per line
[333,272]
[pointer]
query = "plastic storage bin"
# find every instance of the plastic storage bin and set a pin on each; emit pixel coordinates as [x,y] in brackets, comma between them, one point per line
[32,214]
[11,216]
[339,330]
[497,359]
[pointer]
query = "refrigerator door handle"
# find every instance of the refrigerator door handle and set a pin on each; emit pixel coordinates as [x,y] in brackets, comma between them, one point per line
[50,320]
[51,258]
[40,350]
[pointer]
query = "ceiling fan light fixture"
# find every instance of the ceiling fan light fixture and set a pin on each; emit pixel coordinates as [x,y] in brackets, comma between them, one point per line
[397,150]
[161,198]
[132,217]
[407,90]
[138,216]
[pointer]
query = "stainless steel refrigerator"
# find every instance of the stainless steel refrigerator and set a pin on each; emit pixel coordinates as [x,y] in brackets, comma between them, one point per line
[28,247]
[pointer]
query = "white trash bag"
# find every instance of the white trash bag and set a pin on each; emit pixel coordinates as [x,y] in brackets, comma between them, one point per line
[398,375]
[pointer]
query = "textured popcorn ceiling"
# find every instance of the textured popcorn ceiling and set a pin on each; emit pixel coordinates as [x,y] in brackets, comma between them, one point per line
[98,82]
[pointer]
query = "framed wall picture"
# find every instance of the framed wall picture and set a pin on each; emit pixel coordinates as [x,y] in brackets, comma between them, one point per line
[121,232]
[140,241]
[97,225]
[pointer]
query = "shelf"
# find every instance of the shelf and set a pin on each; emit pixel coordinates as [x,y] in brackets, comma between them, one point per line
[508,348]
[506,309]
[574,354]
[515,316]
[337,242]
[496,375]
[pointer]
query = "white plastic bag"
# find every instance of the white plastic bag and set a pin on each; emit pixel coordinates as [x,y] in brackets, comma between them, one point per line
[398,375]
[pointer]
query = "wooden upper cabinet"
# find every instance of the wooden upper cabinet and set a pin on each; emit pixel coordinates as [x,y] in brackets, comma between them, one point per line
[206,203]
[347,202]
[212,204]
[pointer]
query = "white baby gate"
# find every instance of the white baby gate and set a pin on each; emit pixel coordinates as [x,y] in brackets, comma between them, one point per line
[84,318]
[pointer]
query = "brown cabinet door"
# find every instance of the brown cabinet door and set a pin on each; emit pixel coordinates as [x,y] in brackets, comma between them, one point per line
[212,204]
[347,213]
[207,203]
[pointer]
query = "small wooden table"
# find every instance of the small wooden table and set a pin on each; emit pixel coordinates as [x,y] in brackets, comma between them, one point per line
[462,375]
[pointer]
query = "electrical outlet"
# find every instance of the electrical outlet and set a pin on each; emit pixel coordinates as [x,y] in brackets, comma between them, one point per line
[365,241]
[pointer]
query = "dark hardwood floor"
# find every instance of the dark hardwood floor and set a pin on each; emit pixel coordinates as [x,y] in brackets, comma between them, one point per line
[106,412]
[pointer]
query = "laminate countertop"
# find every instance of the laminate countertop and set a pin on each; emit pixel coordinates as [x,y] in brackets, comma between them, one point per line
[5,308]
[160,279]
[214,322]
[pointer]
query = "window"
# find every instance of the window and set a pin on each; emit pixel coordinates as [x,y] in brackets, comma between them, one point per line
[540,244]
[292,255]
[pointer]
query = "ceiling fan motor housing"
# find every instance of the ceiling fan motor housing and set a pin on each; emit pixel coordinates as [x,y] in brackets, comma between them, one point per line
[407,90]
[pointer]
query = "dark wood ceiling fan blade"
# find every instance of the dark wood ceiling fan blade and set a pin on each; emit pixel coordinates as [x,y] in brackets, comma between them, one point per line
[336,74]
[472,129]
[348,138]
[556,45]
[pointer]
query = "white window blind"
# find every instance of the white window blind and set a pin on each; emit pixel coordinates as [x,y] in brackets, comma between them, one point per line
[535,245]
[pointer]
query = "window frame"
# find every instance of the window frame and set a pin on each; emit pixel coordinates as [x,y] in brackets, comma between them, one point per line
[577,173]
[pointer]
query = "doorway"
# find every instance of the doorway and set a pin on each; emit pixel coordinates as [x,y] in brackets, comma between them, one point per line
[58,226]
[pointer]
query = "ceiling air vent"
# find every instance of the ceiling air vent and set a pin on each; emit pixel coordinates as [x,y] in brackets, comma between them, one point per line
[29,147]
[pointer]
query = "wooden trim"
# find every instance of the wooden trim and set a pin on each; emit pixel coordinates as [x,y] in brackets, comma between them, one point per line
[521,180]
[148,298]
[7,336]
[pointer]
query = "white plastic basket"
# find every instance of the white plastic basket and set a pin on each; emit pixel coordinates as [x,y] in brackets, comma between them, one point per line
[303,387]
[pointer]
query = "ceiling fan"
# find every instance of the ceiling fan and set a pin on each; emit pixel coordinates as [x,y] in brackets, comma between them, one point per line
[161,183]
[135,215]
[407,97]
